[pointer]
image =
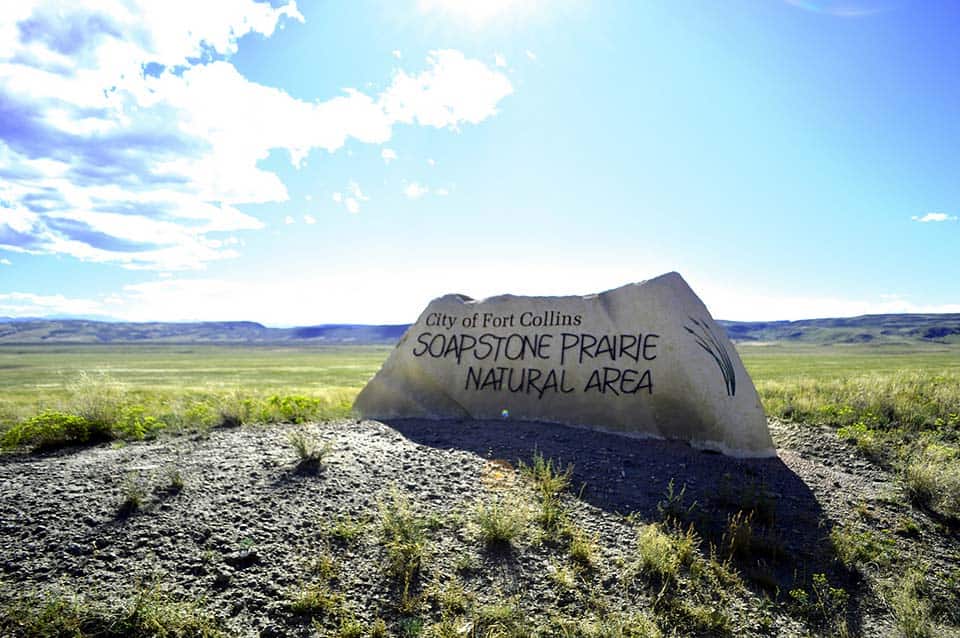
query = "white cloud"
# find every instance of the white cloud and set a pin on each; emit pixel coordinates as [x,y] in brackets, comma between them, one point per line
[354,188]
[453,91]
[414,190]
[388,155]
[131,138]
[531,55]
[935,217]
[288,220]
[396,53]
[351,200]
[499,60]
[23,304]
[441,192]
[431,161]
[309,219]
[5,262]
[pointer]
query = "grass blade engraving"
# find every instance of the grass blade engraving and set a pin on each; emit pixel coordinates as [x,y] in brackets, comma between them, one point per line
[707,340]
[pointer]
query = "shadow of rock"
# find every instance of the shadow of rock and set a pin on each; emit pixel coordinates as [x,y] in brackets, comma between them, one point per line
[633,476]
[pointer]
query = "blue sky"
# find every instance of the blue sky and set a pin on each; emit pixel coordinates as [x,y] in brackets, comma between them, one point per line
[348,161]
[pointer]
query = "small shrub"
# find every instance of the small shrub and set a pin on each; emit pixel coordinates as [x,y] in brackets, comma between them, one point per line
[446,628]
[411,627]
[910,606]
[175,482]
[315,599]
[583,549]
[663,554]
[563,576]
[466,562]
[694,618]
[500,619]
[672,507]
[451,597]
[824,607]
[552,516]
[378,628]
[324,566]
[133,493]
[132,422]
[613,625]
[738,537]
[350,628]
[500,521]
[627,626]
[872,443]
[294,408]
[546,474]
[719,575]
[550,482]
[906,527]
[309,450]
[347,531]
[50,430]
[750,496]
[862,548]
[933,480]
[403,533]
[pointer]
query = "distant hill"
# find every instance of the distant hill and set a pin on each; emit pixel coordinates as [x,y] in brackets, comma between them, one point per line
[906,328]
[912,328]
[84,331]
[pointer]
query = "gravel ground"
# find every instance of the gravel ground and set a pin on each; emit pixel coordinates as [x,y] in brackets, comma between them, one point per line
[241,534]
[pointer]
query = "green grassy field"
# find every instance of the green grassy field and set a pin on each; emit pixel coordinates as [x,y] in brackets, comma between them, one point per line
[917,387]
[911,386]
[783,362]
[37,373]
[37,378]
[134,391]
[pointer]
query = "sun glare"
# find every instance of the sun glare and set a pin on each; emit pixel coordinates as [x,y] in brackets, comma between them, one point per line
[480,14]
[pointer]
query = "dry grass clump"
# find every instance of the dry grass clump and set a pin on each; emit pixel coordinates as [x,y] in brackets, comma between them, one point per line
[549,482]
[501,521]
[403,533]
[147,613]
[932,477]
[310,450]
[908,598]
[663,554]
[823,606]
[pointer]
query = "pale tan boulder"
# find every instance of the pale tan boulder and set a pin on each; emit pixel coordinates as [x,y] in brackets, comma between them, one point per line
[643,360]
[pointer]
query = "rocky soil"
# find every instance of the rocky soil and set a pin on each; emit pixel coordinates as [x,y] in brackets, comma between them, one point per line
[243,534]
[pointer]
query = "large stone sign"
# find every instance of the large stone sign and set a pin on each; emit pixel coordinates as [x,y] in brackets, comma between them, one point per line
[644,360]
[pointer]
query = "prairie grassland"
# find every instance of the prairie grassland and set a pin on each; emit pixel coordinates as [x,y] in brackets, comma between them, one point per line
[129,392]
[914,387]
[899,405]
